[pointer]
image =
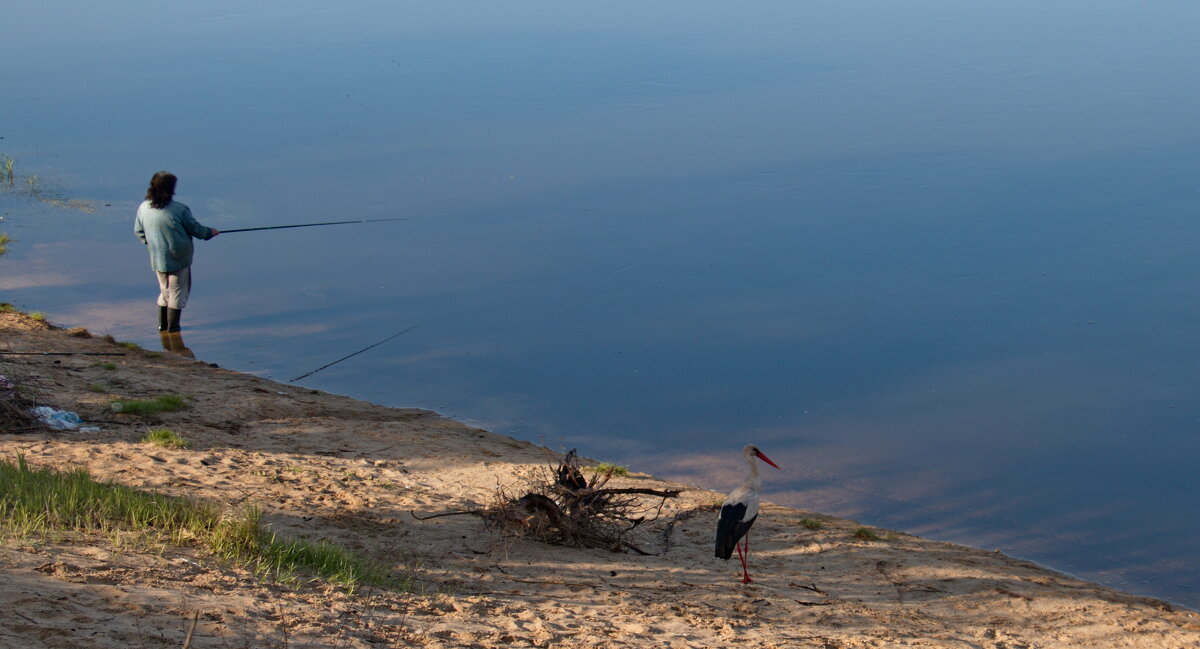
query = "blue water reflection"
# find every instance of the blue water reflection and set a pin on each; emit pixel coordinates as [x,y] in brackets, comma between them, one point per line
[937,260]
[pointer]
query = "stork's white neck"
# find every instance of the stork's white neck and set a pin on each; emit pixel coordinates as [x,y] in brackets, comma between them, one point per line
[750,460]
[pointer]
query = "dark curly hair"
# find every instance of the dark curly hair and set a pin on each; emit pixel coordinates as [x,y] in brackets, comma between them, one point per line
[162,189]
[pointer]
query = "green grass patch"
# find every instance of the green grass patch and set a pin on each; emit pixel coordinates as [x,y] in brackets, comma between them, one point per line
[38,315]
[811,523]
[4,241]
[42,501]
[165,403]
[166,438]
[612,469]
[130,346]
[866,534]
[6,307]
[272,556]
[98,388]
[6,168]
[105,365]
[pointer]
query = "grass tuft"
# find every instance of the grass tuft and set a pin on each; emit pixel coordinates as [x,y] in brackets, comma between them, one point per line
[166,438]
[165,403]
[866,534]
[611,469]
[44,500]
[811,523]
[4,241]
[271,556]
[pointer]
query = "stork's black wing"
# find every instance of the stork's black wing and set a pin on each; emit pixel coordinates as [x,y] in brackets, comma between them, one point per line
[731,529]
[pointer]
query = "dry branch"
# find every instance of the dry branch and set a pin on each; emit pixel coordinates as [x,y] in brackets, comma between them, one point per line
[14,406]
[561,506]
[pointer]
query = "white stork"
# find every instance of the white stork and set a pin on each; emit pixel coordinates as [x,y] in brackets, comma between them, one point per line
[739,511]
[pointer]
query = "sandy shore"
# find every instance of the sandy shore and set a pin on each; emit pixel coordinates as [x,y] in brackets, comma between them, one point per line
[330,467]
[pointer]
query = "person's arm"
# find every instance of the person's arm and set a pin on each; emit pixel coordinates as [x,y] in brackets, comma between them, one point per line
[139,229]
[194,228]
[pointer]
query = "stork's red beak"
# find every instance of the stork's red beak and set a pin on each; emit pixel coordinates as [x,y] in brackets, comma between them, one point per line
[767,460]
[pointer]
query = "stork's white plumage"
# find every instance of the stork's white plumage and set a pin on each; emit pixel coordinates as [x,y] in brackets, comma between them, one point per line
[739,511]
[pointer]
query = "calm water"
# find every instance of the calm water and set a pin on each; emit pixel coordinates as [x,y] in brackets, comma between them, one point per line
[938,260]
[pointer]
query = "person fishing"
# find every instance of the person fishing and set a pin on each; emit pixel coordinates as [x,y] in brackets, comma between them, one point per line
[167,228]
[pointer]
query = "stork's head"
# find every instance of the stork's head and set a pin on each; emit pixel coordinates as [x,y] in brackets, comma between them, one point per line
[751,451]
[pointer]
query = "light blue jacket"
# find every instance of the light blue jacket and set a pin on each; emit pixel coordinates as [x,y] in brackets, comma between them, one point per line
[168,233]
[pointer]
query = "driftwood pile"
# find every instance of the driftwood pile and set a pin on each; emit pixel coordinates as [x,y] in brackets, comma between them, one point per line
[562,506]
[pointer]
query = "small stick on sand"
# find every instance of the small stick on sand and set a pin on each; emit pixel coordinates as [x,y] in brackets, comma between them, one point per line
[187,642]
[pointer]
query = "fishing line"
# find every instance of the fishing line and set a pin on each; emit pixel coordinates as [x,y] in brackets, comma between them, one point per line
[308,225]
[395,335]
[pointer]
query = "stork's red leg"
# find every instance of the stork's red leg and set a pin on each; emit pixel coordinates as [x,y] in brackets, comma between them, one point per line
[742,558]
[746,541]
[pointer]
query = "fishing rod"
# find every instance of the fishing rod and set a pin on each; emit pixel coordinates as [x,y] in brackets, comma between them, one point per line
[61,354]
[307,225]
[395,335]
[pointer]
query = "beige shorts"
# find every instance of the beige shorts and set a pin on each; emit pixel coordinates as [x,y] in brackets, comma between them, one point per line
[174,288]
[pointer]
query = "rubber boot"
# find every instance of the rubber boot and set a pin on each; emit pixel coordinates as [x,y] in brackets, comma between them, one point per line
[162,318]
[173,320]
